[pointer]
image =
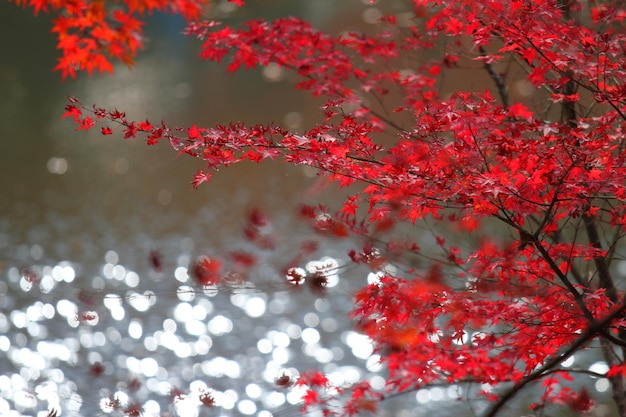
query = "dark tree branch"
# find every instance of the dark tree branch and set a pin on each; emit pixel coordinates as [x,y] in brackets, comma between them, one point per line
[604,274]
[589,334]
[497,79]
[578,297]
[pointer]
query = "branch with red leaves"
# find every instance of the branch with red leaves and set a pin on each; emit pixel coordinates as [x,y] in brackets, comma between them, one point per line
[93,33]
[584,338]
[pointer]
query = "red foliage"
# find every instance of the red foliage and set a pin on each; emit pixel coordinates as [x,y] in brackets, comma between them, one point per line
[284,381]
[30,276]
[155,261]
[96,369]
[295,276]
[133,410]
[581,401]
[207,271]
[207,399]
[317,282]
[243,260]
[134,385]
[92,33]
[258,230]
[88,317]
[530,198]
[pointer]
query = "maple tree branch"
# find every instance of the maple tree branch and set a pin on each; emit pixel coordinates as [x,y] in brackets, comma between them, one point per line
[591,227]
[569,117]
[497,79]
[606,281]
[555,237]
[371,161]
[589,334]
[617,236]
[615,340]
[574,80]
[380,101]
[548,213]
[382,117]
[578,297]
[527,68]
[576,371]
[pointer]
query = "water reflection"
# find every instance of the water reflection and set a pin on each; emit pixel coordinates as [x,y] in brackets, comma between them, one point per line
[134,344]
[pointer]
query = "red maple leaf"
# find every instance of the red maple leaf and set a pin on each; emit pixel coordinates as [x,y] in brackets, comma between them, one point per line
[206,271]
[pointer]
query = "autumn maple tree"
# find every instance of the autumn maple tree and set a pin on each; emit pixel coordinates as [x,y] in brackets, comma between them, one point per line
[92,33]
[524,194]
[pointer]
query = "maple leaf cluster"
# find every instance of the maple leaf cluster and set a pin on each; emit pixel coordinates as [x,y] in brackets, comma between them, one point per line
[92,33]
[550,179]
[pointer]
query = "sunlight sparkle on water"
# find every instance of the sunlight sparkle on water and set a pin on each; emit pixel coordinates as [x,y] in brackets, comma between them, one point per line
[63,272]
[180,273]
[568,362]
[5,343]
[361,345]
[422,396]
[280,356]
[602,385]
[311,319]
[219,367]
[278,339]
[264,346]
[599,367]
[142,302]
[151,407]
[246,407]
[255,307]
[57,166]
[186,293]
[191,322]
[373,363]
[310,335]
[253,391]
[135,330]
[220,325]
